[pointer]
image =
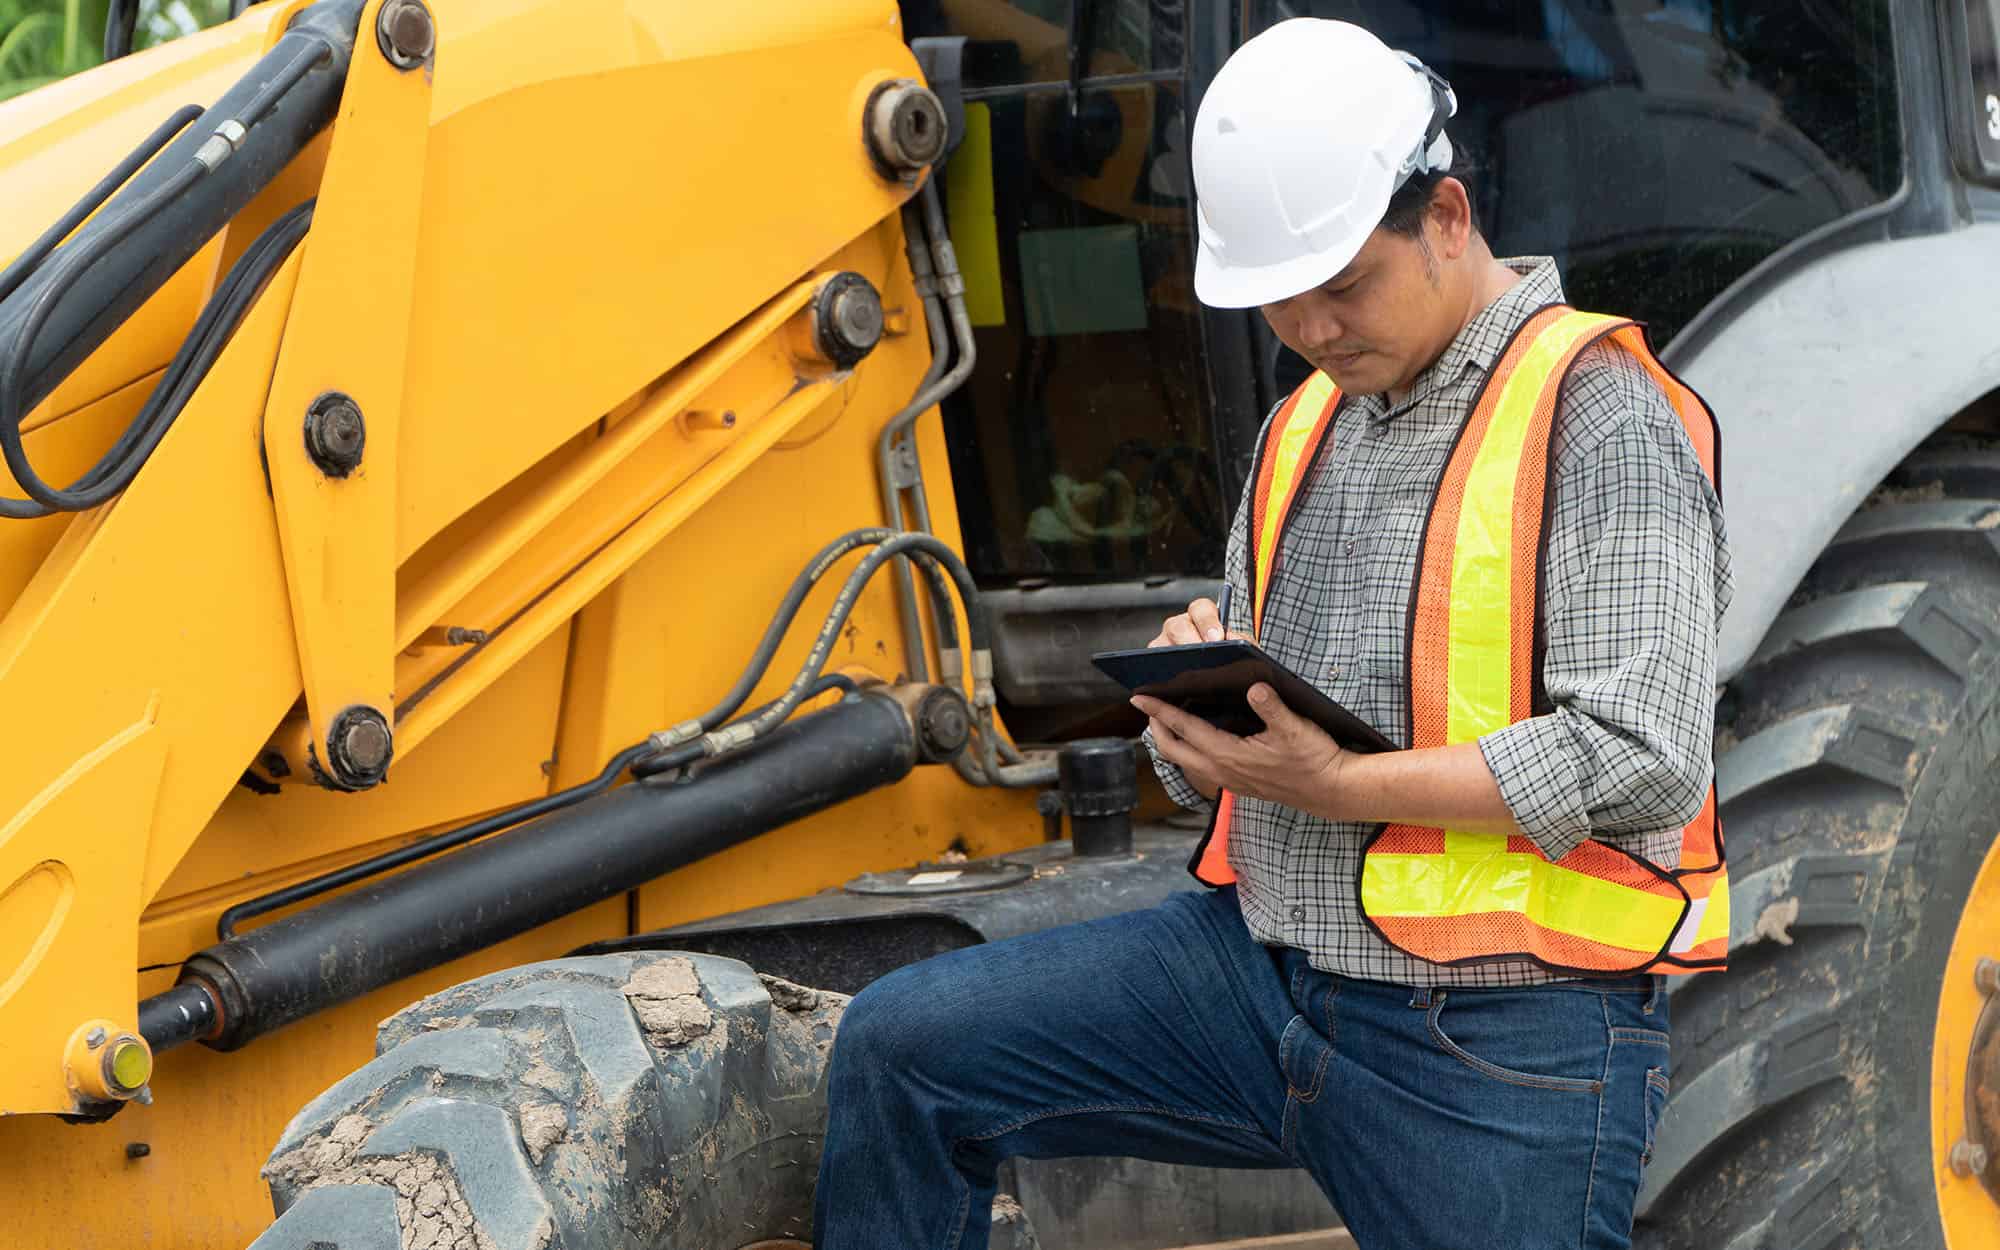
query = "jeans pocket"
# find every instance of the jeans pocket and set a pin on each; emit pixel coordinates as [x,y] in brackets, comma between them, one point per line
[1658,1086]
[1302,1056]
[1512,1026]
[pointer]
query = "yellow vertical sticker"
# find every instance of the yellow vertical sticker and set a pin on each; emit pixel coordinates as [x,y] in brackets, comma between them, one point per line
[975,229]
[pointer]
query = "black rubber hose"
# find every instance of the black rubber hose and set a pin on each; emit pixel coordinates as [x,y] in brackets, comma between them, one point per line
[424,848]
[115,469]
[548,868]
[788,610]
[836,617]
[71,299]
[196,355]
[688,752]
[38,251]
[121,24]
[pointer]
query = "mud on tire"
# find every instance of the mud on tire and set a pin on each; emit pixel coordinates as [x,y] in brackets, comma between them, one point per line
[645,1100]
[1856,764]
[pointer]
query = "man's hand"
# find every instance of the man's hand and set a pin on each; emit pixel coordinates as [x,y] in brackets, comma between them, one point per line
[1292,761]
[1200,623]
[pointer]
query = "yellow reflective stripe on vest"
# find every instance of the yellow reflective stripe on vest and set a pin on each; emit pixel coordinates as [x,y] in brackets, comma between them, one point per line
[1477,873]
[1480,685]
[1288,462]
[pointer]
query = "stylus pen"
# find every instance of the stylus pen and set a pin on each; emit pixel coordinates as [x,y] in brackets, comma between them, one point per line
[1222,607]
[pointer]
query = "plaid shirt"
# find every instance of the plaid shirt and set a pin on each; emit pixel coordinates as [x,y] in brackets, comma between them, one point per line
[1637,573]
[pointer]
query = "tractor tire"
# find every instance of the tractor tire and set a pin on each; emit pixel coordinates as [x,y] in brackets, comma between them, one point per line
[1859,796]
[628,1101]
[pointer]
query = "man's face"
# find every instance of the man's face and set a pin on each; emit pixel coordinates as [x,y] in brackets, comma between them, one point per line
[1377,323]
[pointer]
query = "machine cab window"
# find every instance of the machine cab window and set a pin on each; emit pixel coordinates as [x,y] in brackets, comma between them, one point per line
[1082,446]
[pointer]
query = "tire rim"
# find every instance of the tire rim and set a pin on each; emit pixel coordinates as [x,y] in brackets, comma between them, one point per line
[1965,1071]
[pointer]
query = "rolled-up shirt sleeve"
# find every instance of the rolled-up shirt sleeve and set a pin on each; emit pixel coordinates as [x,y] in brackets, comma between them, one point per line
[1638,577]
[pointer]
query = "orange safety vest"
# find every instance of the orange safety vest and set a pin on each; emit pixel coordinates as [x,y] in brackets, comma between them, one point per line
[1474,667]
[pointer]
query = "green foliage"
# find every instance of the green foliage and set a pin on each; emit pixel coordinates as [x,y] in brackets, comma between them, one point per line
[43,40]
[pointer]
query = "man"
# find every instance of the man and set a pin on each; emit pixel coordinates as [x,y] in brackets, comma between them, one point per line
[1433,977]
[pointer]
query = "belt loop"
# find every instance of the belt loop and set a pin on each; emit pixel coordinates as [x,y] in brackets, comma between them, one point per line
[1653,999]
[1420,998]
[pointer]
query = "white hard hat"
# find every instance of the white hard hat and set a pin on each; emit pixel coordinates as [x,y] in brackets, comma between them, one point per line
[1299,143]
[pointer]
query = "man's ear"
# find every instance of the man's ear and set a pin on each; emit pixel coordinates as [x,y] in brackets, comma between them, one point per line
[1449,218]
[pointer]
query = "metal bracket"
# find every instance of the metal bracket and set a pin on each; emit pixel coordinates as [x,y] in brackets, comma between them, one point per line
[941,58]
[904,471]
[348,335]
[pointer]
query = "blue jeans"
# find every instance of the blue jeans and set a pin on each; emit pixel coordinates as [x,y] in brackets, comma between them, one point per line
[1516,1119]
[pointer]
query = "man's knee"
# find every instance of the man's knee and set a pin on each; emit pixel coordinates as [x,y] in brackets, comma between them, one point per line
[896,1028]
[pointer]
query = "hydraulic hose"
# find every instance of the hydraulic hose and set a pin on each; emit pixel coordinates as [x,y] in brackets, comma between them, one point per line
[750,728]
[137,227]
[938,281]
[788,610]
[923,278]
[191,363]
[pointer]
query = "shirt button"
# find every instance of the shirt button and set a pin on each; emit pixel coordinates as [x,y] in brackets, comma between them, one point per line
[1350,549]
[1298,913]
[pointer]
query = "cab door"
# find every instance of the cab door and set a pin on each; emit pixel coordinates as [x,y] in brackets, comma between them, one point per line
[1098,450]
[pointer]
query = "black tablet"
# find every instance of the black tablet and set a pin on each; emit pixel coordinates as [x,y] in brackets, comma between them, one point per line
[1213,680]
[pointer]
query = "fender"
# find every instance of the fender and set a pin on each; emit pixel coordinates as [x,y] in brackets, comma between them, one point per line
[1823,384]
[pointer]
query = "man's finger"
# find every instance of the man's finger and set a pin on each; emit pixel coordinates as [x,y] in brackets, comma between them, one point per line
[1207,621]
[1278,717]
[1169,745]
[1192,729]
[1177,631]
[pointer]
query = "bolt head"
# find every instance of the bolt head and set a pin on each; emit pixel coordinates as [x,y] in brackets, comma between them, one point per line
[406,33]
[366,745]
[128,1064]
[858,316]
[359,746]
[945,723]
[336,434]
[1986,975]
[905,127]
[94,1038]
[1968,1158]
[847,319]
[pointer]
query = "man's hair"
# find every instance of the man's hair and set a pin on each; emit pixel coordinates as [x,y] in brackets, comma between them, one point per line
[1405,214]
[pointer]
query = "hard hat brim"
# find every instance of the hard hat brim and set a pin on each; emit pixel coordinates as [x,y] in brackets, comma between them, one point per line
[1221,285]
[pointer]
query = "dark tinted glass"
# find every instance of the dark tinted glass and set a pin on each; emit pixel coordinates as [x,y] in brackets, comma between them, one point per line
[1657,148]
[1081,447]
[1012,42]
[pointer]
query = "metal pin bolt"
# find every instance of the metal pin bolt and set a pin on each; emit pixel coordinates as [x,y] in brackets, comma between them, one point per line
[360,745]
[406,33]
[905,128]
[1986,975]
[1968,1158]
[366,745]
[128,1065]
[847,319]
[335,434]
[94,1038]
